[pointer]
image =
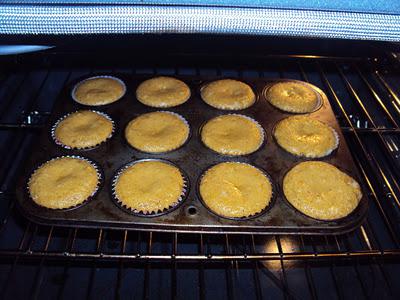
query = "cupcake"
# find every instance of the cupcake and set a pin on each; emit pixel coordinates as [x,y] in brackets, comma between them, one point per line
[99,90]
[163,92]
[321,191]
[294,97]
[64,182]
[305,136]
[228,94]
[83,129]
[157,132]
[235,190]
[149,187]
[232,134]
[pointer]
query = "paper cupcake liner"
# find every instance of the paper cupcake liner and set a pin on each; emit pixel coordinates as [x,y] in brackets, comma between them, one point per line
[313,218]
[173,149]
[59,143]
[95,77]
[327,153]
[245,218]
[225,107]
[317,106]
[100,179]
[260,128]
[141,213]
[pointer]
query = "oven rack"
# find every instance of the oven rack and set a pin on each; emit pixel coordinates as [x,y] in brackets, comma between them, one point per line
[366,100]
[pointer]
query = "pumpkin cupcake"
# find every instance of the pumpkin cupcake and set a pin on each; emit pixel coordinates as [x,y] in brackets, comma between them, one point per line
[149,187]
[64,182]
[83,129]
[235,190]
[157,132]
[163,92]
[294,97]
[228,94]
[321,191]
[232,134]
[99,90]
[305,136]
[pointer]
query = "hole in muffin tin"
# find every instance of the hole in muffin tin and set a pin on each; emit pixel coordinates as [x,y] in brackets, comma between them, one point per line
[192,210]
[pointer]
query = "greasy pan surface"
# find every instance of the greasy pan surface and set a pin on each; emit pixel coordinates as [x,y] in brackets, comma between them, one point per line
[193,159]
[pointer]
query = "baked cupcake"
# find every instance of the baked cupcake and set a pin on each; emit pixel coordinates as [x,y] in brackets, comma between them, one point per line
[321,191]
[99,90]
[149,187]
[64,182]
[232,134]
[157,132]
[235,190]
[163,92]
[294,97]
[305,136]
[228,94]
[83,129]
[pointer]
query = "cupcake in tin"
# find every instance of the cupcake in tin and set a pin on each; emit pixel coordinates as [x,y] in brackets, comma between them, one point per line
[163,92]
[157,132]
[321,191]
[228,94]
[294,97]
[64,182]
[99,90]
[232,134]
[235,190]
[83,129]
[149,187]
[305,136]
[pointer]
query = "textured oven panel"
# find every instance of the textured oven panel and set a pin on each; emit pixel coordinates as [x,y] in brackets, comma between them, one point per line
[124,19]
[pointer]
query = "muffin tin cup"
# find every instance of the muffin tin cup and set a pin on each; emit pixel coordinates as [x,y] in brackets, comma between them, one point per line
[327,153]
[227,108]
[260,128]
[342,219]
[135,212]
[100,180]
[61,144]
[313,88]
[168,151]
[98,77]
[250,217]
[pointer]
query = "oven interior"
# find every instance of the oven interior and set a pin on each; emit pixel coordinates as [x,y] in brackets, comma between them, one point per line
[361,80]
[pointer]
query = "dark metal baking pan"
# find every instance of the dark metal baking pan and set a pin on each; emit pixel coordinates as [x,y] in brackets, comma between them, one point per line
[192,158]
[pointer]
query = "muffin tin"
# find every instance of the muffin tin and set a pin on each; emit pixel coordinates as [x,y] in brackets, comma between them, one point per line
[193,158]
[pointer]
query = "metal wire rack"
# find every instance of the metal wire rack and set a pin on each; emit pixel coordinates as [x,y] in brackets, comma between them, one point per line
[54,262]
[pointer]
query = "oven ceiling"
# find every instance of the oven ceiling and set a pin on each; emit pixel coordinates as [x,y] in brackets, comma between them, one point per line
[360,20]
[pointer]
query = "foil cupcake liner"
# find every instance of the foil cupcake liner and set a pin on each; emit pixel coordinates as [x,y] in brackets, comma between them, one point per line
[327,153]
[59,143]
[249,217]
[260,128]
[100,179]
[173,149]
[224,107]
[164,105]
[95,77]
[311,87]
[140,213]
[288,203]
